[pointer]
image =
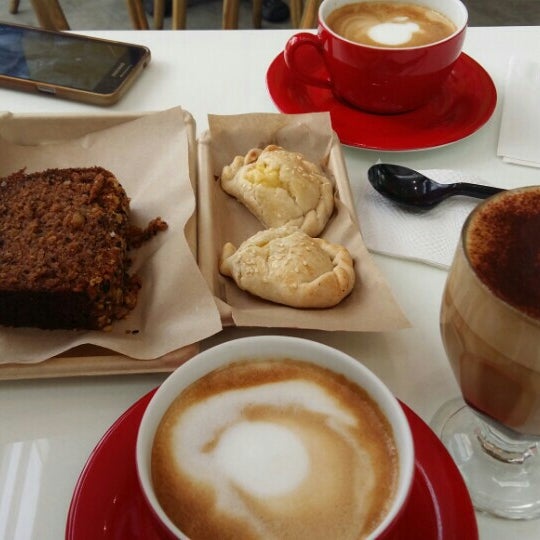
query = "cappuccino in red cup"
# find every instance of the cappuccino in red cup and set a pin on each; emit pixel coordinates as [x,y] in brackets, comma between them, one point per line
[385,57]
[275,437]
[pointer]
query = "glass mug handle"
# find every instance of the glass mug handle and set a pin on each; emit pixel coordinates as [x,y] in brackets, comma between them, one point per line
[305,39]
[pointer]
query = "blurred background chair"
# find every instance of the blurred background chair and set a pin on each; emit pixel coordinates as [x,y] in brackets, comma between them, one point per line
[230,14]
[303,14]
[179,13]
[139,19]
[49,13]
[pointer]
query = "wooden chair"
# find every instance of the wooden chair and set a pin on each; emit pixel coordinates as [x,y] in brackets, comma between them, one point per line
[231,9]
[140,21]
[179,9]
[49,13]
[303,14]
[51,16]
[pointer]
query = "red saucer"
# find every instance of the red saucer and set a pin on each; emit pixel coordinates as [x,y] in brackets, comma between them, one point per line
[108,504]
[464,104]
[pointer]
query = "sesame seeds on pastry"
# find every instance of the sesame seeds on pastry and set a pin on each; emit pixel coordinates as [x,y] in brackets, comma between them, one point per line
[287,266]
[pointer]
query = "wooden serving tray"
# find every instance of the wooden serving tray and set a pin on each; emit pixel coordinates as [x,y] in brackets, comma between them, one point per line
[89,360]
[370,307]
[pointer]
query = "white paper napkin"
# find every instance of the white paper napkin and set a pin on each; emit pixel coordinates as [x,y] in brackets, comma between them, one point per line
[428,236]
[519,136]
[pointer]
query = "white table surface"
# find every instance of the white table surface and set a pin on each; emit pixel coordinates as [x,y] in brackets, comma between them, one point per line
[48,428]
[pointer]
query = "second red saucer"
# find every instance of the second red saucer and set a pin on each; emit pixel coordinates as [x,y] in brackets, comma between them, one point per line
[108,503]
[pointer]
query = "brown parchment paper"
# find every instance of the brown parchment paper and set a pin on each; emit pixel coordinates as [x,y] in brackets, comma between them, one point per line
[151,157]
[371,305]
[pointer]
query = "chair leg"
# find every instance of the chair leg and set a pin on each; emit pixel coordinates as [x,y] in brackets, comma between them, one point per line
[310,14]
[230,14]
[296,7]
[137,14]
[159,14]
[50,15]
[14,6]
[256,16]
[179,10]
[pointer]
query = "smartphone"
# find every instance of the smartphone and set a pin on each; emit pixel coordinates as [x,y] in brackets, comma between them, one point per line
[69,66]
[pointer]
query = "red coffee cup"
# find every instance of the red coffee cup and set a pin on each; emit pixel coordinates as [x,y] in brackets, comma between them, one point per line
[380,79]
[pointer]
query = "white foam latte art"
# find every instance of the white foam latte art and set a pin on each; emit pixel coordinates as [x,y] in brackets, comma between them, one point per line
[398,32]
[215,445]
[390,24]
[263,458]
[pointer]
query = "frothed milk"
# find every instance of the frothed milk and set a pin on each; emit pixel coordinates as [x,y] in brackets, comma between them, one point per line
[390,24]
[490,316]
[275,449]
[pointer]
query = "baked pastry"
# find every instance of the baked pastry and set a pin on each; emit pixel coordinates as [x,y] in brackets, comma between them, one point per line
[64,241]
[281,188]
[287,266]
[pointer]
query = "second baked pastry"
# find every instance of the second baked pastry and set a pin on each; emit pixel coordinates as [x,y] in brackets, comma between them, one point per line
[286,266]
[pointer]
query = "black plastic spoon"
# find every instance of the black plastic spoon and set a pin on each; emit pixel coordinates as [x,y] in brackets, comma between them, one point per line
[407,186]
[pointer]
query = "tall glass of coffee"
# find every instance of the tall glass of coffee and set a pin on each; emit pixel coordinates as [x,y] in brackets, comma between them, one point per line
[490,327]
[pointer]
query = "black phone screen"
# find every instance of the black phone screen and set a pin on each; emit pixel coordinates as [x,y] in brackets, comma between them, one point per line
[65,59]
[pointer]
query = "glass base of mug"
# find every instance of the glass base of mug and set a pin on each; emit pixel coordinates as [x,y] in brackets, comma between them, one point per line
[501,472]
